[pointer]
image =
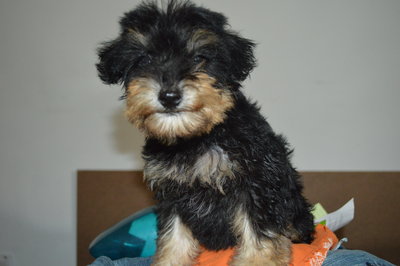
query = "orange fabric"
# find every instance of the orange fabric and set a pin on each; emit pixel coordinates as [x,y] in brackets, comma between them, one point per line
[315,253]
[302,254]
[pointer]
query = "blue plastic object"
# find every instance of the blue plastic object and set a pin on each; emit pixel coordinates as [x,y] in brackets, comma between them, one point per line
[135,236]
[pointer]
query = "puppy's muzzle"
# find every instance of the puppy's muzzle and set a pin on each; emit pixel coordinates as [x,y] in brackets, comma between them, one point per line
[170,98]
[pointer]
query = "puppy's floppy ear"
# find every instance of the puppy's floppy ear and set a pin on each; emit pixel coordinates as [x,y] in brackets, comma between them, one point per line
[240,50]
[112,61]
[242,56]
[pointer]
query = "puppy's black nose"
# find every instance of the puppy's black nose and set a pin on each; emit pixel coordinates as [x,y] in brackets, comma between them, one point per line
[170,98]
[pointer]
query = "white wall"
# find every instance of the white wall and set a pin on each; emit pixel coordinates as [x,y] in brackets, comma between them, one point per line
[328,78]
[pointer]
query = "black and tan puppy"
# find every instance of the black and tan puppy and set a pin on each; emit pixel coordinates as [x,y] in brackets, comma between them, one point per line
[222,177]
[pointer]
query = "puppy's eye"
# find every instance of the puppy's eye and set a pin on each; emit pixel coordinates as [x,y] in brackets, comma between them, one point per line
[199,59]
[144,60]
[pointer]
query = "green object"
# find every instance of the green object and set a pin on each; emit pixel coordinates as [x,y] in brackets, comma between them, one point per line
[319,214]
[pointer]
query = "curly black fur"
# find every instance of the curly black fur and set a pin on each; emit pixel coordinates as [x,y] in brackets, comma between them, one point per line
[269,186]
[153,44]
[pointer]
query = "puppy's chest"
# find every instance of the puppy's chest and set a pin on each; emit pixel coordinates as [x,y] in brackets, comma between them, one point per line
[211,168]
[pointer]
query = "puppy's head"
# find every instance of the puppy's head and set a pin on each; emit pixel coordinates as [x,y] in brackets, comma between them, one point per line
[179,65]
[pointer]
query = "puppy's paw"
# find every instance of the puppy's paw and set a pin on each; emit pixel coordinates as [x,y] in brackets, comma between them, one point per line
[260,258]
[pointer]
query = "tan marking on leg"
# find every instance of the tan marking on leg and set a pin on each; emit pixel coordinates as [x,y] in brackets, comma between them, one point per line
[176,245]
[258,250]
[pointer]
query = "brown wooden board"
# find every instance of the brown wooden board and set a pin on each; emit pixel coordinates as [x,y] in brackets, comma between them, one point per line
[105,198]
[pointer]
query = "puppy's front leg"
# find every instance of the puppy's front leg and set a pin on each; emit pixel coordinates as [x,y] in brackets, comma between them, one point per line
[175,245]
[258,250]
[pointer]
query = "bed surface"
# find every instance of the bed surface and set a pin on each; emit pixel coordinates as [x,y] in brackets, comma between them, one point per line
[106,197]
